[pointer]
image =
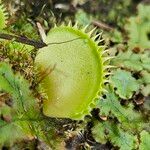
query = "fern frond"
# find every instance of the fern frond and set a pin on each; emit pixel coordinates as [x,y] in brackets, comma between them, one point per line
[17,120]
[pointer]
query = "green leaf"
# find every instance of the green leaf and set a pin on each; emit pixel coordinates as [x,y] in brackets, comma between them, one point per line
[146,90]
[132,61]
[139,27]
[22,120]
[82,18]
[73,96]
[19,89]
[116,36]
[145,77]
[17,120]
[104,131]
[110,106]
[144,57]
[128,60]
[10,133]
[145,141]
[125,83]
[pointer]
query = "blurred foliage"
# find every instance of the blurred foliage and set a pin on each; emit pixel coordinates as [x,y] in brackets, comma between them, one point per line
[125,84]
[139,28]
[123,118]
[145,140]
[126,124]
[107,131]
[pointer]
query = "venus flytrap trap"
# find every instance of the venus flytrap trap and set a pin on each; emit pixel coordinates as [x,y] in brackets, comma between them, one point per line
[78,76]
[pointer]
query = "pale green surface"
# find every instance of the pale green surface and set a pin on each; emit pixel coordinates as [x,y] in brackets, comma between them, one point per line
[145,140]
[76,79]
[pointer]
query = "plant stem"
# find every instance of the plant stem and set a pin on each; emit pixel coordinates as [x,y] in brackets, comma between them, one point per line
[24,40]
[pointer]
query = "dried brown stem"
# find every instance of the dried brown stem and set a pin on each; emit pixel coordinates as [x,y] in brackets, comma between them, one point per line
[102,25]
[24,40]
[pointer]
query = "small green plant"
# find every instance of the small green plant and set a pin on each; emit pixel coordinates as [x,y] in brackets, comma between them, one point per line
[65,79]
[75,69]
[139,28]
[124,111]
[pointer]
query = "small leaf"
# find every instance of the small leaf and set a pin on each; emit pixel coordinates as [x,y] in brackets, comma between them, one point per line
[128,60]
[125,83]
[104,131]
[145,141]
[139,28]
[17,120]
[82,18]
[145,77]
[110,106]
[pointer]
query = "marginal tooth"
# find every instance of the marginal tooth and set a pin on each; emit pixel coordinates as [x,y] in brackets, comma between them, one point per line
[99,94]
[103,47]
[108,73]
[99,41]
[100,35]
[109,66]
[107,58]
[70,24]
[91,32]
[104,90]
[76,25]
[84,29]
[96,36]
[55,26]
[100,97]
[107,81]
[105,51]
[62,25]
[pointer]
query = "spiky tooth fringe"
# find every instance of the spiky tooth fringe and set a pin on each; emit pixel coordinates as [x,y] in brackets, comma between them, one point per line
[62,25]
[105,51]
[104,91]
[85,28]
[108,73]
[105,59]
[76,25]
[91,32]
[96,36]
[109,67]
[70,24]
[103,47]
[55,26]
[107,81]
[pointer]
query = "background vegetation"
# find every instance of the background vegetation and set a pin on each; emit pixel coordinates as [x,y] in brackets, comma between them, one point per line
[121,119]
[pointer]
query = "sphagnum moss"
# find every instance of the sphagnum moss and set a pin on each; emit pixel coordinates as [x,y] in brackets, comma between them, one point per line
[75,69]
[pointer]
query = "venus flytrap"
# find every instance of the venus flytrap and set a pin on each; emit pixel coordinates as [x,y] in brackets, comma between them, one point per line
[78,75]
